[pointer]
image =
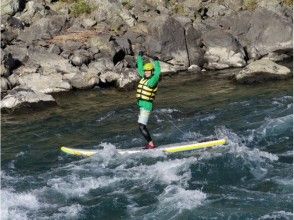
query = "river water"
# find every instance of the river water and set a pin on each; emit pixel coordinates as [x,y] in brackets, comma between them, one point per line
[250,178]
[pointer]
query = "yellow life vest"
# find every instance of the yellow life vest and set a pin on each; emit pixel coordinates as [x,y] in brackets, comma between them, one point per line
[144,92]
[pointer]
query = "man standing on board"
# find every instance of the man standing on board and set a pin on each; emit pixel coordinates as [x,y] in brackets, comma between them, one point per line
[146,90]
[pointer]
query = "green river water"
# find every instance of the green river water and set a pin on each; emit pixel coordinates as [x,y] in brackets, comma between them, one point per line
[250,178]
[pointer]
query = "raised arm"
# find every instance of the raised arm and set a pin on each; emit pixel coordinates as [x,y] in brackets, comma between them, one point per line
[140,65]
[155,78]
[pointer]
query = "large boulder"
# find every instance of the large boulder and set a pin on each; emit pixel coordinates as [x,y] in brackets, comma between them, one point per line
[121,80]
[50,63]
[44,83]
[33,11]
[223,50]
[9,7]
[5,84]
[262,70]
[170,46]
[112,12]
[193,41]
[81,57]
[84,80]
[127,80]
[101,65]
[44,28]
[260,32]
[24,97]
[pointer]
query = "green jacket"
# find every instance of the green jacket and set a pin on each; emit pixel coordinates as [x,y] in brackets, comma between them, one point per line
[152,82]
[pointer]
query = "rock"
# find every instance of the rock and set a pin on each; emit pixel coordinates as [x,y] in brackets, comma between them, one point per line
[222,50]
[265,33]
[10,63]
[262,70]
[71,46]
[51,63]
[194,69]
[5,84]
[7,37]
[193,41]
[16,23]
[44,28]
[216,10]
[81,57]
[101,41]
[235,5]
[276,57]
[9,7]
[127,80]
[258,31]
[24,97]
[185,21]
[114,13]
[121,43]
[33,11]
[4,71]
[19,52]
[13,79]
[85,80]
[88,23]
[171,46]
[44,83]
[109,77]
[101,65]
[54,49]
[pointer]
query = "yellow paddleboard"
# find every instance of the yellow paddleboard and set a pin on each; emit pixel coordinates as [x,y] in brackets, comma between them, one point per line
[171,148]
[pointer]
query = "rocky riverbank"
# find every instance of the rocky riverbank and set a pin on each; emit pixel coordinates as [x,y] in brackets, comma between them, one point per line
[54,46]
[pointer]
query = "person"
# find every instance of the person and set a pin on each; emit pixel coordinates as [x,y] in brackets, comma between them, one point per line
[146,90]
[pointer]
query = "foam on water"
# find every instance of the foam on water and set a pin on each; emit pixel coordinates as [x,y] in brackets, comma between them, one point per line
[17,205]
[277,215]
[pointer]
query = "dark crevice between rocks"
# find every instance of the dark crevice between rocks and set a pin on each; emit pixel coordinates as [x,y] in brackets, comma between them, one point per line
[246,54]
[186,47]
[21,4]
[106,85]
[118,56]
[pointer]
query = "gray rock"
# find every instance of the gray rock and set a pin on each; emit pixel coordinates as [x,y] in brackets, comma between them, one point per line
[222,50]
[109,77]
[13,79]
[19,52]
[101,65]
[194,69]
[81,57]
[88,23]
[161,41]
[121,43]
[44,28]
[25,97]
[216,10]
[85,80]
[102,42]
[54,49]
[71,46]
[127,80]
[262,70]
[51,63]
[9,7]
[33,11]
[259,31]
[193,41]
[44,83]
[5,84]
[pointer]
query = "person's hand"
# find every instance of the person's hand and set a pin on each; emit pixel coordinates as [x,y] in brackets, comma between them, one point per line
[141,53]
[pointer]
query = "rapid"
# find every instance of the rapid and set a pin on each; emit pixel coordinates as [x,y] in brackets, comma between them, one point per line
[250,178]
